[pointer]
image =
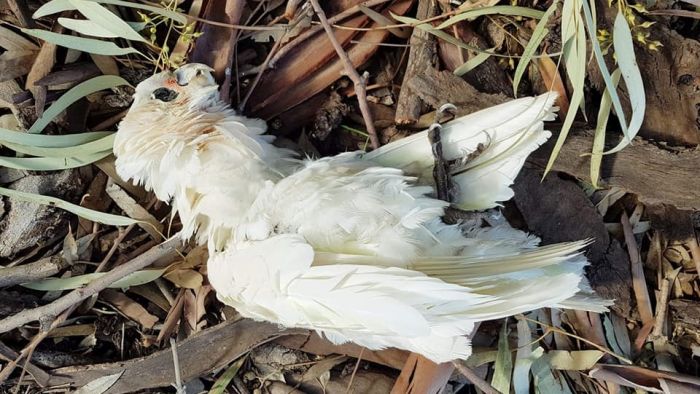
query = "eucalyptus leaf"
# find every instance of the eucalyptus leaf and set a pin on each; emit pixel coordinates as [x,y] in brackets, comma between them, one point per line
[89,45]
[51,163]
[472,63]
[626,60]
[538,35]
[574,38]
[74,94]
[86,27]
[50,141]
[95,216]
[99,385]
[601,127]
[503,369]
[499,9]
[90,148]
[108,20]
[56,6]
[57,284]
[223,381]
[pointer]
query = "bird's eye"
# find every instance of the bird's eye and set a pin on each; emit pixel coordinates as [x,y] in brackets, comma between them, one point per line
[164,94]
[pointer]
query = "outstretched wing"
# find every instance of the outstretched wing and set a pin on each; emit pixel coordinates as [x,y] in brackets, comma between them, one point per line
[508,133]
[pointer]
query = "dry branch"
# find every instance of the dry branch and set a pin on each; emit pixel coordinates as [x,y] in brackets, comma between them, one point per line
[359,82]
[77,295]
[41,269]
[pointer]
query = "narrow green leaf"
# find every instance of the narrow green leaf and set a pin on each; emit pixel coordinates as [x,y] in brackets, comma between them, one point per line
[538,35]
[95,216]
[89,45]
[382,20]
[74,282]
[74,94]
[572,360]
[503,368]
[223,381]
[108,20]
[601,127]
[56,6]
[472,63]
[605,73]
[49,141]
[53,7]
[626,60]
[499,9]
[51,163]
[574,38]
[86,27]
[104,144]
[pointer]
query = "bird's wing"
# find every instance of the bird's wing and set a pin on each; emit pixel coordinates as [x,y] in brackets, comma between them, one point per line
[508,133]
[547,276]
[376,307]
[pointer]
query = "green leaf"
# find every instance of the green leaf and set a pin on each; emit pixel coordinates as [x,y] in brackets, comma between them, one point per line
[504,362]
[57,6]
[626,60]
[538,35]
[574,38]
[106,19]
[472,63]
[95,216]
[74,282]
[600,128]
[74,94]
[572,360]
[104,144]
[49,141]
[89,45]
[499,9]
[86,27]
[51,163]
[610,87]
[223,381]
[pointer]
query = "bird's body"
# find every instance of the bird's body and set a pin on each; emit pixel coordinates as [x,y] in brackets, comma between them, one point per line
[351,245]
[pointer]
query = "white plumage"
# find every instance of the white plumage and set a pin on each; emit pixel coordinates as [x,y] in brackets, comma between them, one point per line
[352,246]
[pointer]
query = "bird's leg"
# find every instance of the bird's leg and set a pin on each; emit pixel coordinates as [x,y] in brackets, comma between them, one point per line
[441,169]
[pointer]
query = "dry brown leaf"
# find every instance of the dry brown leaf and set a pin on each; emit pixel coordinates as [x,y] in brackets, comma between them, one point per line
[173,317]
[187,278]
[552,79]
[132,209]
[129,307]
[150,292]
[645,379]
[424,376]
[200,303]
[189,311]
[106,64]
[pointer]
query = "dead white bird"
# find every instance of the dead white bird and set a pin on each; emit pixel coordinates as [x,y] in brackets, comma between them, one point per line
[350,246]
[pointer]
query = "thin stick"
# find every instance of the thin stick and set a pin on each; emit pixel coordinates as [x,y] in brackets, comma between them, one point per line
[474,378]
[359,82]
[180,389]
[260,73]
[316,28]
[354,371]
[638,282]
[94,287]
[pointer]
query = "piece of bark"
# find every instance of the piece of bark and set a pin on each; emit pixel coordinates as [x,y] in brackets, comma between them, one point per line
[436,88]
[199,354]
[656,175]
[558,210]
[488,76]
[28,224]
[216,44]
[422,56]
[671,78]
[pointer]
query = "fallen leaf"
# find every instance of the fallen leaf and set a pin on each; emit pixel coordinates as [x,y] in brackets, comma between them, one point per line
[129,307]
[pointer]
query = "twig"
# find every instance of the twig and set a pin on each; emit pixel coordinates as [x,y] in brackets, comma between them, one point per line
[638,282]
[40,269]
[474,378]
[93,287]
[359,82]
[22,12]
[179,388]
[354,371]
[316,28]
[261,71]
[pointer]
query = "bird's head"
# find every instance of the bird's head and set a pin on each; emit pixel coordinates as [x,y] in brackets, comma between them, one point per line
[191,85]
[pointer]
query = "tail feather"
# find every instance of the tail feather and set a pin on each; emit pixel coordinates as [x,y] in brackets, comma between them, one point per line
[508,133]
